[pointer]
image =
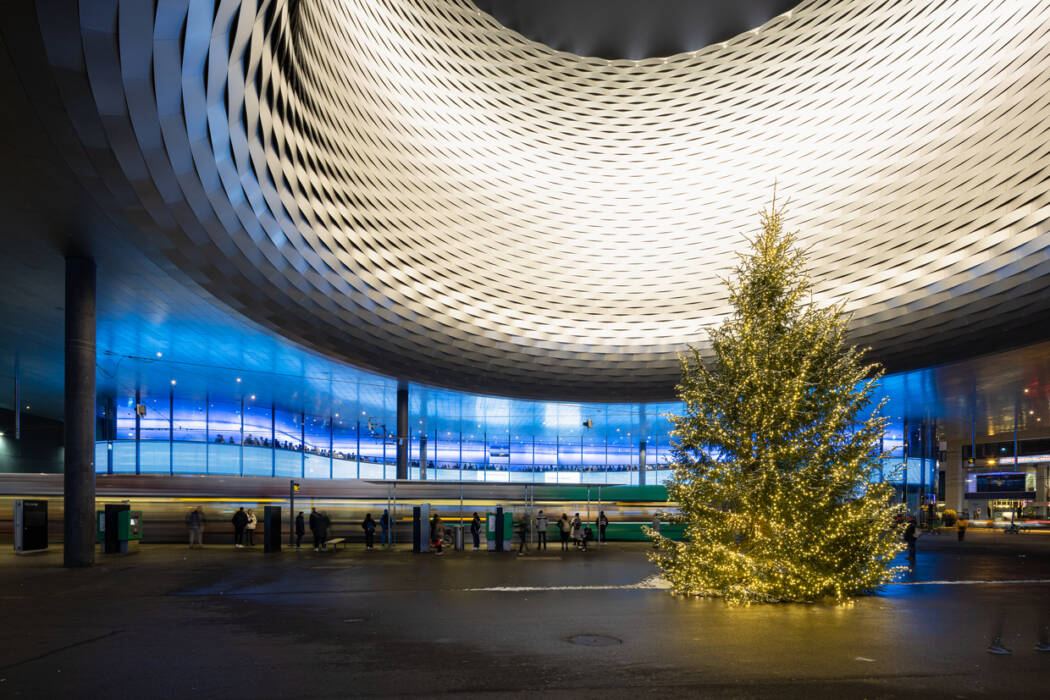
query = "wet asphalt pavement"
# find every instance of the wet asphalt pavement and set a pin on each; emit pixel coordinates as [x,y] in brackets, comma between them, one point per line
[224,623]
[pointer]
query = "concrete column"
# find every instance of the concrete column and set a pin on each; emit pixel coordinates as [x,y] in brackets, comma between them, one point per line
[79,494]
[423,457]
[1040,489]
[641,463]
[402,431]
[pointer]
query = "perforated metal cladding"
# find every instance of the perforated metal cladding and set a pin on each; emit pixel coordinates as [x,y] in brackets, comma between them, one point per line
[416,189]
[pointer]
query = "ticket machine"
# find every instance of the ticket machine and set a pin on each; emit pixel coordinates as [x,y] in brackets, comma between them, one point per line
[30,525]
[119,528]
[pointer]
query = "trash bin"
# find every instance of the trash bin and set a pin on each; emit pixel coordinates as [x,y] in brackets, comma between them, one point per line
[458,531]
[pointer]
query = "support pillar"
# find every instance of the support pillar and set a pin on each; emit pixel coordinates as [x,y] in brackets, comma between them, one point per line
[641,463]
[423,456]
[402,431]
[79,493]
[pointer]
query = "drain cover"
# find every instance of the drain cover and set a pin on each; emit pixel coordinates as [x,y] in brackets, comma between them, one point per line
[594,640]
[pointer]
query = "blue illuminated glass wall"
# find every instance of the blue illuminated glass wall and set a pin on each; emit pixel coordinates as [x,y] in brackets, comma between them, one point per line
[207,420]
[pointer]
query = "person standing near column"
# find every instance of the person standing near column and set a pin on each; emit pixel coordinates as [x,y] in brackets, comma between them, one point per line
[541,531]
[602,523]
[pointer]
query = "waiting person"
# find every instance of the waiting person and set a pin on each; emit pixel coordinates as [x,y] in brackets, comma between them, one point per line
[523,533]
[384,525]
[577,530]
[240,519]
[195,523]
[300,530]
[369,526]
[602,523]
[249,527]
[541,531]
[326,530]
[438,526]
[910,537]
[475,531]
[315,528]
[656,526]
[961,525]
[564,528]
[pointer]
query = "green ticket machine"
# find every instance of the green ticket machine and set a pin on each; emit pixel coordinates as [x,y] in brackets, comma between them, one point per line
[119,528]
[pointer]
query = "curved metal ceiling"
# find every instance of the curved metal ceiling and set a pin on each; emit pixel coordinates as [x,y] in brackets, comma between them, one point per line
[413,187]
[632,29]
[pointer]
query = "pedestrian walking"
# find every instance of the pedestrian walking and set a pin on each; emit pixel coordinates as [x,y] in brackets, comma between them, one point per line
[300,530]
[195,524]
[656,526]
[602,523]
[437,525]
[369,526]
[249,527]
[475,531]
[910,538]
[541,531]
[564,528]
[384,525]
[577,530]
[240,520]
[315,528]
[961,525]
[523,534]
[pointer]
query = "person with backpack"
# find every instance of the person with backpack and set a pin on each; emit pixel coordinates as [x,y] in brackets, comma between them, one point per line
[239,520]
[541,531]
[249,527]
[475,531]
[602,523]
[369,526]
[300,530]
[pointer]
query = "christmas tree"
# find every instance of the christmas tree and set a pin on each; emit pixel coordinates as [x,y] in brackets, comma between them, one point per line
[777,450]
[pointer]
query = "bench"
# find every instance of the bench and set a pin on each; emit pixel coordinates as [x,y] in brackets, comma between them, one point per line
[334,541]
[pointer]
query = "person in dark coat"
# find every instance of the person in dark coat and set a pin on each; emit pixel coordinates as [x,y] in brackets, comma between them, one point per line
[369,526]
[384,525]
[475,531]
[326,529]
[240,520]
[315,528]
[300,530]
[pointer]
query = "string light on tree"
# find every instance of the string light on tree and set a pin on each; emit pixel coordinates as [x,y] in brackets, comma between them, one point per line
[777,451]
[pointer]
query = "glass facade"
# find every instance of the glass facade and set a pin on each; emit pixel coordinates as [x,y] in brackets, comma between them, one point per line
[320,428]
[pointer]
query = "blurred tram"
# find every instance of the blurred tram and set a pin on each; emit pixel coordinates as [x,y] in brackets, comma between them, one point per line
[166,501]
